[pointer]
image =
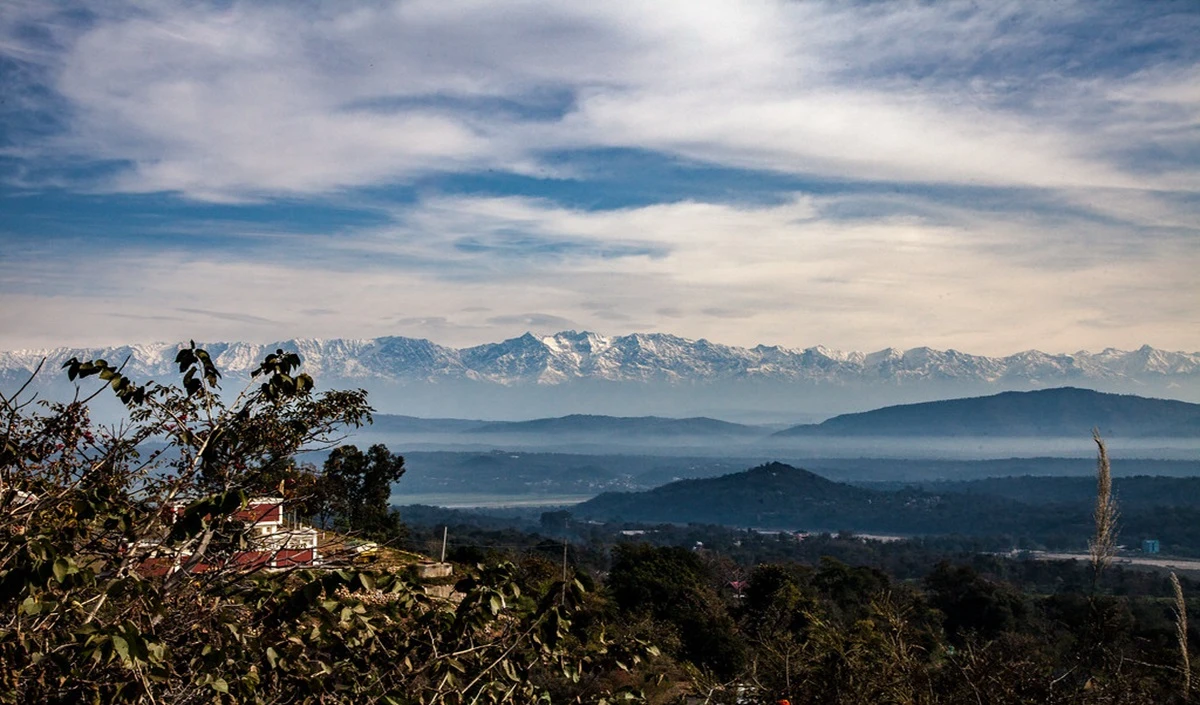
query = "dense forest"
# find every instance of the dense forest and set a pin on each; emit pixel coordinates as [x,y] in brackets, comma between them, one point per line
[120,582]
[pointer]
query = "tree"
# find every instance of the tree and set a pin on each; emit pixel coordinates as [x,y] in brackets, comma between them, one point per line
[672,585]
[555,523]
[972,604]
[776,599]
[357,487]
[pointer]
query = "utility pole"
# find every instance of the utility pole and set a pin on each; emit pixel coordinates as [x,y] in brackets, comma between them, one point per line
[564,559]
[445,531]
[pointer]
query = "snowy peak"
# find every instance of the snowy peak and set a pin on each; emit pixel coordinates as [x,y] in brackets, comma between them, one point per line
[568,356]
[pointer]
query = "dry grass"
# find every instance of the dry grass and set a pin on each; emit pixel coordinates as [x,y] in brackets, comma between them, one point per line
[1103,545]
[339,549]
[1181,635]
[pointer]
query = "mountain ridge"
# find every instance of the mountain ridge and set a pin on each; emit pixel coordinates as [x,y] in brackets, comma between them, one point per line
[629,425]
[567,355]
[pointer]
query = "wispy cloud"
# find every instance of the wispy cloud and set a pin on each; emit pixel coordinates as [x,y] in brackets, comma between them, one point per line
[227,316]
[245,100]
[533,320]
[741,274]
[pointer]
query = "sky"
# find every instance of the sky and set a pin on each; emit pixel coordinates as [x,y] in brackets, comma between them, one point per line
[990,177]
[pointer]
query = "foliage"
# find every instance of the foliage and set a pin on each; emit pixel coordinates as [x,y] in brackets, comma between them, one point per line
[121,578]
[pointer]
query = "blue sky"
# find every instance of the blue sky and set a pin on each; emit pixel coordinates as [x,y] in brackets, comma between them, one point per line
[988,177]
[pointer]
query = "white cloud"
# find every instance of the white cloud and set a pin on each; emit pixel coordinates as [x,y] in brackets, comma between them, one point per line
[253,99]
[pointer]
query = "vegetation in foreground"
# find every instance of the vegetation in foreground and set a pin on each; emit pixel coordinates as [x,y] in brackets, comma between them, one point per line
[85,617]
[119,578]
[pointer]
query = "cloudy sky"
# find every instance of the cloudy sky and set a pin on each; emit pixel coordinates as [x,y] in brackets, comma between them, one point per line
[989,177]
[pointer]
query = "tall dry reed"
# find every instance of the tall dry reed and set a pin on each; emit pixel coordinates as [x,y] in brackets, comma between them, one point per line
[1181,636]
[1103,545]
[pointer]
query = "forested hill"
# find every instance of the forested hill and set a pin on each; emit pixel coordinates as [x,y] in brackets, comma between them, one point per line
[1061,412]
[776,495]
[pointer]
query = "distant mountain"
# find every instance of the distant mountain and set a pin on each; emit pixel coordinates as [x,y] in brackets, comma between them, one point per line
[1062,412]
[395,423]
[589,424]
[780,496]
[645,373]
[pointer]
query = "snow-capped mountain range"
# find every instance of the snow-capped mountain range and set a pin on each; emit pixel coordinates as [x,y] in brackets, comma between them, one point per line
[657,360]
[566,356]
